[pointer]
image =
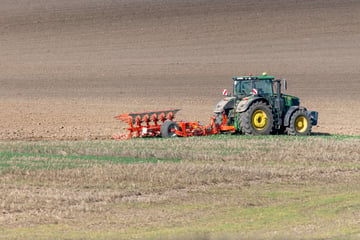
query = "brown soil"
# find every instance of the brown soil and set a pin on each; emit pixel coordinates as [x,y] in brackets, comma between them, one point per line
[67,67]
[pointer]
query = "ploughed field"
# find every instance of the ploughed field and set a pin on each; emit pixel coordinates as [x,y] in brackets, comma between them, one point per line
[68,67]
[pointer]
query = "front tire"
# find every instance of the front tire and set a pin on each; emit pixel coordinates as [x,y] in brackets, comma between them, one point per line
[300,124]
[167,129]
[257,120]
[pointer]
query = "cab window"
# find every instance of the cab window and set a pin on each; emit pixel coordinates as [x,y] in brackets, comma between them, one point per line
[264,87]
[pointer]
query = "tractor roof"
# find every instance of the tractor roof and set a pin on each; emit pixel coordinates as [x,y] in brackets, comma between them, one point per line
[250,77]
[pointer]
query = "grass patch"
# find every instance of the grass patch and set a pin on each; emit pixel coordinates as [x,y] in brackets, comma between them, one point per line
[36,161]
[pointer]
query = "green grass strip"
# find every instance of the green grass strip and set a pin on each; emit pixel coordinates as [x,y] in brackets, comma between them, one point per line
[31,161]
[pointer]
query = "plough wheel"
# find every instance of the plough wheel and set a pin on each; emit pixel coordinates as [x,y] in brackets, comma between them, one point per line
[167,129]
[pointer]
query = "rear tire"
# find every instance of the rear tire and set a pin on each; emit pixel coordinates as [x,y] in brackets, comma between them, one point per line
[300,124]
[257,120]
[167,128]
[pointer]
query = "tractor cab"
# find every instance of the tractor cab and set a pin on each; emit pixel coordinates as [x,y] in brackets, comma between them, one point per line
[266,87]
[249,85]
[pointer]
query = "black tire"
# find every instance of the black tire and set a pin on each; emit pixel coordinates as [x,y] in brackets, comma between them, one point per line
[257,119]
[238,123]
[230,115]
[218,119]
[167,127]
[300,124]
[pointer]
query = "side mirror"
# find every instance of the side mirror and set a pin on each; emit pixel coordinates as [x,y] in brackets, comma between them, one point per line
[285,84]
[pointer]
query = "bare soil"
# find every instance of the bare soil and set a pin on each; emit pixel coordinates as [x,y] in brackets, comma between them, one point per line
[67,67]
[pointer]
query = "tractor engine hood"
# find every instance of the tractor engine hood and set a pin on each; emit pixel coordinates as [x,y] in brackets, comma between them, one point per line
[224,104]
[290,100]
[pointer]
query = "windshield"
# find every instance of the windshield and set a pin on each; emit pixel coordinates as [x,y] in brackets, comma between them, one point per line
[244,87]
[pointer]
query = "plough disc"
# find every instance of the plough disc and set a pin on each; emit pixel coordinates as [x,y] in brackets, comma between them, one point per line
[132,116]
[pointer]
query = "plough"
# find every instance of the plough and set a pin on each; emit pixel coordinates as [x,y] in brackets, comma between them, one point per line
[161,124]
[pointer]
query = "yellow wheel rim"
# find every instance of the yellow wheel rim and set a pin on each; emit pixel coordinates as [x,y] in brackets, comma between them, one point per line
[259,120]
[301,124]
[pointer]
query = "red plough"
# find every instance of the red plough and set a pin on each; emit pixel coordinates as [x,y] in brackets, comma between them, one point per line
[162,124]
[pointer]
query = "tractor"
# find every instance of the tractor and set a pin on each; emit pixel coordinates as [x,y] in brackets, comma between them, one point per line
[258,107]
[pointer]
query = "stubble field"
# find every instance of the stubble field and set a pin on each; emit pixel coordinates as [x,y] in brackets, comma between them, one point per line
[210,188]
[67,67]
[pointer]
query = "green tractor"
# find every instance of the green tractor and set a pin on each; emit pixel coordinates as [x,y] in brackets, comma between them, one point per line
[258,107]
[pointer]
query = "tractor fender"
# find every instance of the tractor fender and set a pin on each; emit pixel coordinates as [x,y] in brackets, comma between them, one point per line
[288,114]
[313,115]
[245,103]
[224,104]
